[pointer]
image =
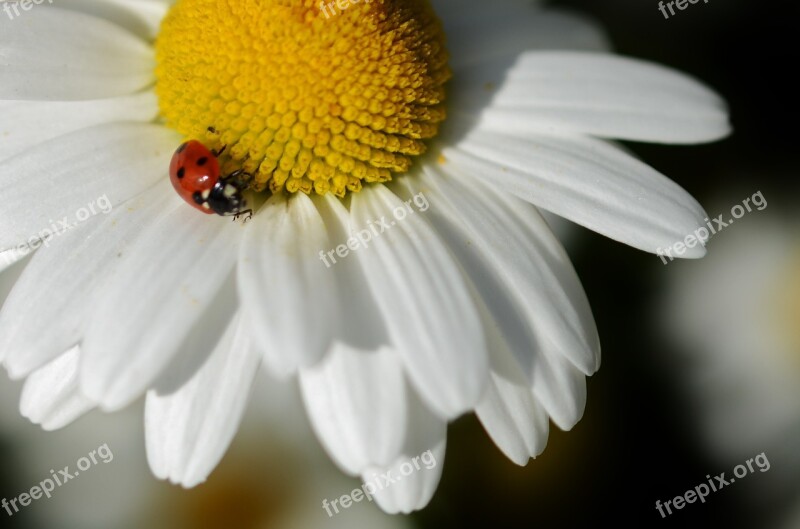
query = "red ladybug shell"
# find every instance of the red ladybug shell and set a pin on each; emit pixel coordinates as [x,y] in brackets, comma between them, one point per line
[193,169]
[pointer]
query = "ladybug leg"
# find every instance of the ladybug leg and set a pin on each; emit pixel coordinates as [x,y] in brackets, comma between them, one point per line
[233,176]
[238,178]
[238,175]
[248,212]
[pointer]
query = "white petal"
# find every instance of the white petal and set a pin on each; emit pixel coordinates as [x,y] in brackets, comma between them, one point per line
[605,95]
[61,178]
[514,419]
[363,328]
[420,290]
[515,263]
[589,182]
[201,340]
[58,288]
[140,17]
[541,341]
[189,431]
[145,311]
[556,383]
[561,389]
[357,404]
[288,295]
[28,123]
[62,55]
[510,413]
[525,286]
[51,396]
[409,483]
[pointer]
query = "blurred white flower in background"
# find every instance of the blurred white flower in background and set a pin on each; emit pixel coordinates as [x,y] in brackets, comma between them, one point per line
[736,316]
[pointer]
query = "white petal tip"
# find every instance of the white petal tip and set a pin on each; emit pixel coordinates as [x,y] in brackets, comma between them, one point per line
[190,483]
[15,373]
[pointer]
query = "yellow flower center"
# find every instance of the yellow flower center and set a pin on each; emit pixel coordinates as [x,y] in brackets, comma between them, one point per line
[305,95]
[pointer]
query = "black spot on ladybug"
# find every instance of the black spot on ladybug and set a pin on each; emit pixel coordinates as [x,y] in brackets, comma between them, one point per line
[202,161]
[181,172]
[182,147]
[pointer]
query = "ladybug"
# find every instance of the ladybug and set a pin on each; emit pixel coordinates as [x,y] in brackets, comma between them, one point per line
[195,175]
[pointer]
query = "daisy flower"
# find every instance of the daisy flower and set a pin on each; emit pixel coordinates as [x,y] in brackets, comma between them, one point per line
[397,266]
